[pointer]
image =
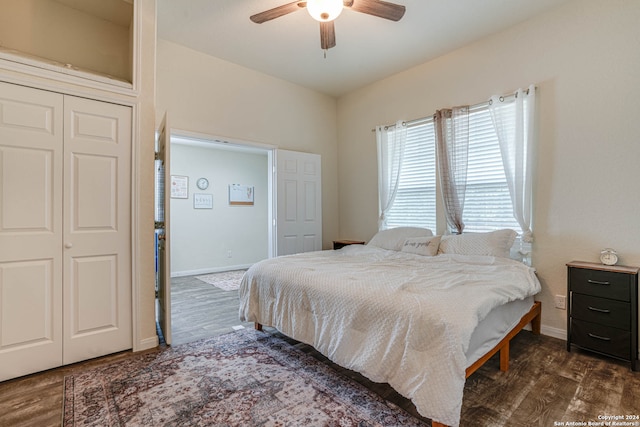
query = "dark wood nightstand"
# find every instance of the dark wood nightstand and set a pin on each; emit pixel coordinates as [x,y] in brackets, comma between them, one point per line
[337,244]
[602,312]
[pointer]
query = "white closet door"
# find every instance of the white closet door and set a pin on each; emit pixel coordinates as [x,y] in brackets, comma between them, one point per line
[97,229]
[299,202]
[31,141]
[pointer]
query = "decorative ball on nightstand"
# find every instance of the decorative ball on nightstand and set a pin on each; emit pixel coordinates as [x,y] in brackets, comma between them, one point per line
[608,256]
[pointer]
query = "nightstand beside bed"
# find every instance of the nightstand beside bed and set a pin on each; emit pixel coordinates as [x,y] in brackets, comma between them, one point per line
[602,311]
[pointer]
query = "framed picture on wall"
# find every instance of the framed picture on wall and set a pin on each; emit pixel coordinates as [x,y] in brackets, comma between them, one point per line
[202,201]
[240,195]
[179,187]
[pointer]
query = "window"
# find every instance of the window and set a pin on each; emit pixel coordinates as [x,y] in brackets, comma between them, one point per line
[415,201]
[488,203]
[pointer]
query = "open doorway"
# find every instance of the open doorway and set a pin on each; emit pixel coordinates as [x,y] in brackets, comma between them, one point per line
[214,230]
[211,231]
[229,242]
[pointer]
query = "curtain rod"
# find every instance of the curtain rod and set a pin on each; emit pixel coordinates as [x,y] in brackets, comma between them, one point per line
[475,106]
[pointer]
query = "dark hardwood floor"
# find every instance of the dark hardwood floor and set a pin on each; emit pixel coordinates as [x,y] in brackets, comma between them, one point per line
[544,386]
[200,310]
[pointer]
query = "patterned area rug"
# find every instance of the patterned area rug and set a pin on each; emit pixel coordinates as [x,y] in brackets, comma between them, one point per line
[246,378]
[226,280]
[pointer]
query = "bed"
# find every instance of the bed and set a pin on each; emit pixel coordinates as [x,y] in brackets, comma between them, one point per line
[416,311]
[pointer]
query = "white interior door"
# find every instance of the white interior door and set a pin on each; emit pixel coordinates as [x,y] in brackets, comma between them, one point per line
[31,144]
[97,229]
[162,225]
[299,202]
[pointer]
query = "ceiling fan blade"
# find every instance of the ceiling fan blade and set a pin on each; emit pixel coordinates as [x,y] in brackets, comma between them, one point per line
[277,12]
[379,8]
[327,35]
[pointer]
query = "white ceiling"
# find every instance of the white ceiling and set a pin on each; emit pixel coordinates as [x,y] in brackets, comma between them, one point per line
[367,48]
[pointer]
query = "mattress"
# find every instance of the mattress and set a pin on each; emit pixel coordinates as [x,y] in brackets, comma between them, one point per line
[493,328]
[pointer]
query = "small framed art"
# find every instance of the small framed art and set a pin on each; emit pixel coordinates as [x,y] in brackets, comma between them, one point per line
[202,201]
[179,187]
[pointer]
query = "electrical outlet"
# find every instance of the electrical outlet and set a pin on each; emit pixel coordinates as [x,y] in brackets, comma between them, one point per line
[229,255]
[561,302]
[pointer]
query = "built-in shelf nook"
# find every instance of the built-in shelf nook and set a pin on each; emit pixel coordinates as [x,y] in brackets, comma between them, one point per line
[87,39]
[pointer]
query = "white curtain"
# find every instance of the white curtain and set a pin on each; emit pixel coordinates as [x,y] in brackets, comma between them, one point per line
[452,145]
[391,142]
[514,125]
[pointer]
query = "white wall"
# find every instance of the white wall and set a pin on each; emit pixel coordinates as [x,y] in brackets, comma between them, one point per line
[207,95]
[584,59]
[202,238]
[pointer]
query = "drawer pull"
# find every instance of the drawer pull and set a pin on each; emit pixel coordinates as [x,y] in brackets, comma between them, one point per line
[596,282]
[598,337]
[599,310]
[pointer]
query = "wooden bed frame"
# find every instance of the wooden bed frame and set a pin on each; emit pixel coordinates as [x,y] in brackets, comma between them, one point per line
[534,316]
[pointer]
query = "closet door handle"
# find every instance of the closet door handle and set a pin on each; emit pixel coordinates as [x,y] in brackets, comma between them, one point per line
[599,310]
[68,245]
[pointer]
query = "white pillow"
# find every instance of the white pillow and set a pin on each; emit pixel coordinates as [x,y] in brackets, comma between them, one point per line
[426,246]
[494,243]
[393,238]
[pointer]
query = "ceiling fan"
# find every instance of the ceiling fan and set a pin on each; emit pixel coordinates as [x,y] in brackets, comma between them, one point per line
[325,11]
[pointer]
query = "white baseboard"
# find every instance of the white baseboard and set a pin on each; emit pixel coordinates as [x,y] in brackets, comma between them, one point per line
[209,270]
[554,332]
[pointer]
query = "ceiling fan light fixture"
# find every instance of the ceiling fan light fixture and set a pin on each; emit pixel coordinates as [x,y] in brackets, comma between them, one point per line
[324,10]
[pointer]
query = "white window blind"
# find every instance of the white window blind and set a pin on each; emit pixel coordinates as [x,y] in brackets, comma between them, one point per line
[415,202]
[487,205]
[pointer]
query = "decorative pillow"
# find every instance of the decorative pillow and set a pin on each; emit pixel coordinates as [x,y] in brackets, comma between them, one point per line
[494,243]
[426,246]
[393,238]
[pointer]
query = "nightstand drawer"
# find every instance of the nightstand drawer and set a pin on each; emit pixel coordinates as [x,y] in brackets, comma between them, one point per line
[603,339]
[600,283]
[601,310]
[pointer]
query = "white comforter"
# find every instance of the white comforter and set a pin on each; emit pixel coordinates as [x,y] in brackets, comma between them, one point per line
[394,317]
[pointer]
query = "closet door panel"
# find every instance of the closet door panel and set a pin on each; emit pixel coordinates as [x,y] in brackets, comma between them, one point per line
[27,207]
[97,231]
[31,145]
[94,295]
[95,193]
[26,300]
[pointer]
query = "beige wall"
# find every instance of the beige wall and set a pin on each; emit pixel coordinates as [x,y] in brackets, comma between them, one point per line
[584,59]
[54,31]
[207,95]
